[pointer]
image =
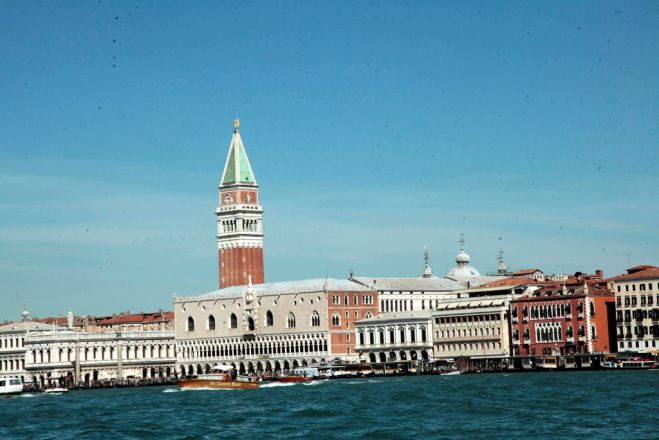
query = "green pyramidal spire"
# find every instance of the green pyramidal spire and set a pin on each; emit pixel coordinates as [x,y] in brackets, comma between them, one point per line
[237,170]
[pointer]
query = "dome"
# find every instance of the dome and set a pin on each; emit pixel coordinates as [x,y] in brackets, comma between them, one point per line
[463,269]
[462,257]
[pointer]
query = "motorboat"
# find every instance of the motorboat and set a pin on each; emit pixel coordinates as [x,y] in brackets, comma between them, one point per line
[304,374]
[610,365]
[10,386]
[56,390]
[220,376]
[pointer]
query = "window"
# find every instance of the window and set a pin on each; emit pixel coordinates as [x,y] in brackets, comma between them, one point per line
[233,323]
[347,314]
[346,300]
[211,322]
[315,319]
[368,315]
[356,300]
[336,319]
[269,321]
[250,324]
[361,338]
[356,314]
[291,320]
[190,324]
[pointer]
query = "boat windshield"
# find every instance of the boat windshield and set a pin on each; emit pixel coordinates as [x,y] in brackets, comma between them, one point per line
[221,369]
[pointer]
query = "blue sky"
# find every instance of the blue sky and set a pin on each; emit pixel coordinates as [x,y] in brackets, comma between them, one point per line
[374,129]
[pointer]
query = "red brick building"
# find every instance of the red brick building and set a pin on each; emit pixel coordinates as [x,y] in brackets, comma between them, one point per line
[577,316]
[239,220]
[343,310]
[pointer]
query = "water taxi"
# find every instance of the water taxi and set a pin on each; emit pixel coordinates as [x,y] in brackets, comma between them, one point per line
[637,364]
[304,374]
[630,364]
[10,386]
[220,376]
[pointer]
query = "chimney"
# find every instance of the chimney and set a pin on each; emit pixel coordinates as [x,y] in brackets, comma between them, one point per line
[599,273]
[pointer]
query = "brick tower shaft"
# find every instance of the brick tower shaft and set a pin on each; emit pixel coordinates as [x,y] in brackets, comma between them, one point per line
[239,220]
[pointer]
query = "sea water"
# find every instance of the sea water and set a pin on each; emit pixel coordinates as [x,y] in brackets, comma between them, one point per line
[593,405]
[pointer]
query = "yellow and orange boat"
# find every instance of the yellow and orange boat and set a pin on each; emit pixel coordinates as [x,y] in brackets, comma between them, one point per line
[220,376]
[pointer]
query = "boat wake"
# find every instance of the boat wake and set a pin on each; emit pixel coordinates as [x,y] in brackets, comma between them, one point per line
[172,390]
[28,395]
[279,384]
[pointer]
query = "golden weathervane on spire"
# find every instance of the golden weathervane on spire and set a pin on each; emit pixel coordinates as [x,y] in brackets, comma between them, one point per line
[236,123]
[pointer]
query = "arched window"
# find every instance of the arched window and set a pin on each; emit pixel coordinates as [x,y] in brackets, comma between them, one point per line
[234,321]
[269,321]
[291,320]
[211,322]
[250,323]
[356,300]
[190,324]
[346,300]
[315,319]
[336,319]
[368,315]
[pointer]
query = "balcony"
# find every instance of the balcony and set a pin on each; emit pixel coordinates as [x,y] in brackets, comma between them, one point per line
[568,316]
[569,339]
[580,315]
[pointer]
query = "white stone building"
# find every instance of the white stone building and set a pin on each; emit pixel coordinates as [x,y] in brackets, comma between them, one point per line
[637,309]
[270,327]
[12,346]
[477,327]
[398,336]
[67,357]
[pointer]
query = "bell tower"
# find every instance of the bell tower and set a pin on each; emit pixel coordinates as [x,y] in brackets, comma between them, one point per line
[239,219]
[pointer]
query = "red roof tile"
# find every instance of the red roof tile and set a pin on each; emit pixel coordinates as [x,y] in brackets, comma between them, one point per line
[526,271]
[649,272]
[510,281]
